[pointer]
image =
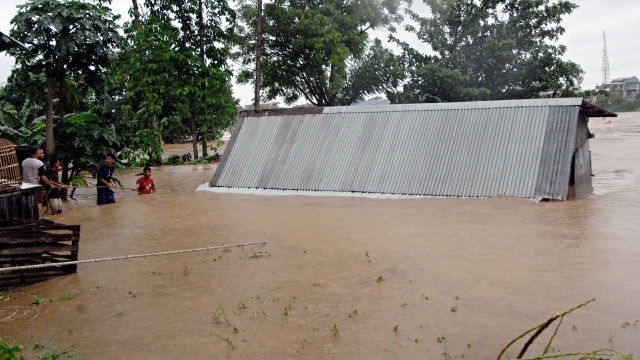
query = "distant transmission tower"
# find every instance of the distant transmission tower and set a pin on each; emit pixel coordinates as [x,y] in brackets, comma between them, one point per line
[605,61]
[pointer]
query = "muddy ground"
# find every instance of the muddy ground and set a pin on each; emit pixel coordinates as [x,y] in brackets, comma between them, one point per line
[344,278]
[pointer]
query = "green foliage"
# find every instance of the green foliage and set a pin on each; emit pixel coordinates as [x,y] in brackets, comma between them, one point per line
[68,295]
[78,180]
[143,149]
[614,102]
[37,300]
[22,126]
[219,316]
[335,330]
[175,74]
[228,341]
[258,255]
[85,139]
[65,39]
[55,354]
[496,49]
[8,352]
[318,50]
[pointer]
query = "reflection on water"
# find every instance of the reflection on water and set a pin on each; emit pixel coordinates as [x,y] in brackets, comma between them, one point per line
[345,278]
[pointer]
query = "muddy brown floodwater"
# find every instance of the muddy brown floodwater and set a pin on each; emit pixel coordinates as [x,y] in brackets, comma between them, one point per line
[345,278]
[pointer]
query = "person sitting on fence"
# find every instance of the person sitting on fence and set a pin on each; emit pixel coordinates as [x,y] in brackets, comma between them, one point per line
[145,185]
[55,203]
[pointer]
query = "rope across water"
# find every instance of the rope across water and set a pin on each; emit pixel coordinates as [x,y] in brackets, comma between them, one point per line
[37,266]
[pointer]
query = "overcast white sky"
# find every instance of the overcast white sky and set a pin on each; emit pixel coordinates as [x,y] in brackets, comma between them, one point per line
[583,37]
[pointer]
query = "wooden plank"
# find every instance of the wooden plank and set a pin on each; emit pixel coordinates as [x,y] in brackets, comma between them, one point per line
[33,227]
[34,250]
[28,238]
[10,229]
[19,204]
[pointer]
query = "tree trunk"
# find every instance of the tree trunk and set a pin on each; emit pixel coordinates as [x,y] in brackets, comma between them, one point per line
[65,141]
[256,96]
[194,136]
[61,99]
[49,146]
[204,148]
[136,13]
[203,73]
[157,140]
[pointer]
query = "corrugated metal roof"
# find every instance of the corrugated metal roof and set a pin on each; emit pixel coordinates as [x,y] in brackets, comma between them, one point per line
[475,149]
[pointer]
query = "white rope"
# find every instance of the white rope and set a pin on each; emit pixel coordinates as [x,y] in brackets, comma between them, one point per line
[37,266]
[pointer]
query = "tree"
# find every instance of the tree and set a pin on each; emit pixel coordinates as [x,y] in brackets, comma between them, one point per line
[312,49]
[147,67]
[490,49]
[612,101]
[175,67]
[63,39]
[90,139]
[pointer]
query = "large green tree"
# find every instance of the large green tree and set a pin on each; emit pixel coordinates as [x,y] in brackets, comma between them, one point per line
[64,39]
[175,68]
[490,49]
[317,50]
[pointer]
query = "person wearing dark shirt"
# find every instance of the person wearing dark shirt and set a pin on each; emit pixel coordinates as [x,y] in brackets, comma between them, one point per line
[53,195]
[105,186]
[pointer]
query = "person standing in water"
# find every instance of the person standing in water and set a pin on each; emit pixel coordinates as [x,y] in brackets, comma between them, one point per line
[53,196]
[105,186]
[145,185]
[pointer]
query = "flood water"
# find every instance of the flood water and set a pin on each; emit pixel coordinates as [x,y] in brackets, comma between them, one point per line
[342,277]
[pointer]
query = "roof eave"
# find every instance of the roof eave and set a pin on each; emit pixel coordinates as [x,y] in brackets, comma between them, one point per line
[589,110]
[7,42]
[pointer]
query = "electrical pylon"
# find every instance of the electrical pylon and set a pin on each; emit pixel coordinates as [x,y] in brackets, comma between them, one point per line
[605,61]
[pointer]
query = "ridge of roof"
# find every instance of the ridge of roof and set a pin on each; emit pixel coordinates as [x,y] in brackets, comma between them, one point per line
[586,108]
[458,105]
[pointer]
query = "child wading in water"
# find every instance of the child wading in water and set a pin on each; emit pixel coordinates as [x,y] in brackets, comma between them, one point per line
[145,184]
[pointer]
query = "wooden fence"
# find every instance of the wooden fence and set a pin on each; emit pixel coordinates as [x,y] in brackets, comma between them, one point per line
[28,242]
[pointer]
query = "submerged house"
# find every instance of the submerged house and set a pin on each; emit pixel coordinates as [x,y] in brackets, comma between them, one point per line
[525,148]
